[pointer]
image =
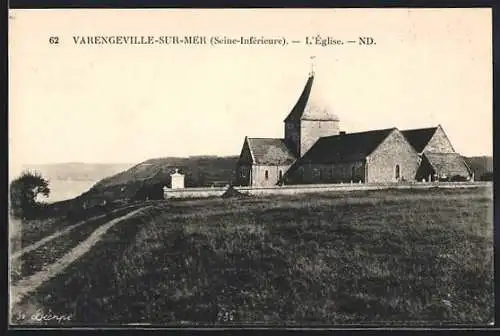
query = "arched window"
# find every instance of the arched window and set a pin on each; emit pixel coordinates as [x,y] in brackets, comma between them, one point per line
[397,172]
[266,174]
[280,175]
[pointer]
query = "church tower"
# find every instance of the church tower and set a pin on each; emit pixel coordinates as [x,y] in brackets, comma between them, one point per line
[310,119]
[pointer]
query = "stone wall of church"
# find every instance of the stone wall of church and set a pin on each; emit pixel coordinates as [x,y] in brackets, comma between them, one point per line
[439,143]
[261,179]
[312,130]
[393,152]
[343,172]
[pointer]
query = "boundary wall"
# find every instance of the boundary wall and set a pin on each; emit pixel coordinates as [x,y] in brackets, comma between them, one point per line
[313,188]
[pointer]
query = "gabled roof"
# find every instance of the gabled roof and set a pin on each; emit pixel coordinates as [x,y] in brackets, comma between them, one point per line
[270,151]
[311,105]
[420,137]
[346,147]
[449,164]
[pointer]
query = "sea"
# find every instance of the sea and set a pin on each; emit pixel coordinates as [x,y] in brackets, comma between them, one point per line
[61,190]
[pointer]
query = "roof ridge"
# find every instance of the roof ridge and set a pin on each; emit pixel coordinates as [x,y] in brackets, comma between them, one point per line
[363,132]
[420,129]
[265,138]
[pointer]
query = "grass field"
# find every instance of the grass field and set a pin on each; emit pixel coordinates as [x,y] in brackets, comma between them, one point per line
[389,256]
[48,253]
[23,233]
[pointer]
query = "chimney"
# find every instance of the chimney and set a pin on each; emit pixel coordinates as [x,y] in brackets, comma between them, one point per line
[342,133]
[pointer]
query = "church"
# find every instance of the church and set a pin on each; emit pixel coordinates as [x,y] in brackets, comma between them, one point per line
[315,151]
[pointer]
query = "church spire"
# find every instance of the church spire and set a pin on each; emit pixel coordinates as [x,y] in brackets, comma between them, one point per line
[312,103]
[311,74]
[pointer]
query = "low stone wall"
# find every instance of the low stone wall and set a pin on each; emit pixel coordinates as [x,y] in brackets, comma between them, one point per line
[317,188]
[194,192]
[314,188]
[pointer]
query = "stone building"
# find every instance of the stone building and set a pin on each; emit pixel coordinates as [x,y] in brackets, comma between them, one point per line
[373,156]
[438,157]
[263,162]
[314,150]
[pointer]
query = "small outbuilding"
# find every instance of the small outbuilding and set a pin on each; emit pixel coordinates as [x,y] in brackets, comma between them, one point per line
[177,180]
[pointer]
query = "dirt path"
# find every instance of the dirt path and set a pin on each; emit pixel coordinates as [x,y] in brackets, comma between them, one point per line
[29,284]
[44,240]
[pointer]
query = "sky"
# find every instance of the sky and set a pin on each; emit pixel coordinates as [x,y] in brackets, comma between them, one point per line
[129,103]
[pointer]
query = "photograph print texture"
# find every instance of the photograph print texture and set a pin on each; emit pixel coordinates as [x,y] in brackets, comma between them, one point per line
[263,167]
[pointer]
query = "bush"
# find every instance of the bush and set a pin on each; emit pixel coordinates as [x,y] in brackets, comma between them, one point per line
[24,192]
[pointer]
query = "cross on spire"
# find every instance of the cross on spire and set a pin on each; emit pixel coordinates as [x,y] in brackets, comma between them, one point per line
[312,65]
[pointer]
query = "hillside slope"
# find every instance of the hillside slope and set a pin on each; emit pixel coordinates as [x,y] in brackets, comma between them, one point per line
[200,171]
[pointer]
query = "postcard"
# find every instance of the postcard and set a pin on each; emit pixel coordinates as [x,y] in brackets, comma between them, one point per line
[250,167]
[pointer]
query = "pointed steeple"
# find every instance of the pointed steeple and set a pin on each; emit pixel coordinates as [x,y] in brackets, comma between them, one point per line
[311,105]
[298,109]
[312,65]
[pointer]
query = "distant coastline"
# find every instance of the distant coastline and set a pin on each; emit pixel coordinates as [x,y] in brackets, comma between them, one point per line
[71,179]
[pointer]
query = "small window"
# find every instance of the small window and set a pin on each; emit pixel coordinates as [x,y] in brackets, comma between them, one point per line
[398,173]
[280,175]
[353,172]
[266,174]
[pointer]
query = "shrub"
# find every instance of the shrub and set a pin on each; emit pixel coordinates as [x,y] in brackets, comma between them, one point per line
[24,191]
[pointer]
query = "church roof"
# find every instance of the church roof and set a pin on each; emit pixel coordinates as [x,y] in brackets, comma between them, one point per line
[270,151]
[449,164]
[311,105]
[419,138]
[346,147]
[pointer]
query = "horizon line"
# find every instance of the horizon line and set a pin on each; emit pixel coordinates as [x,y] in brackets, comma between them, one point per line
[172,157]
